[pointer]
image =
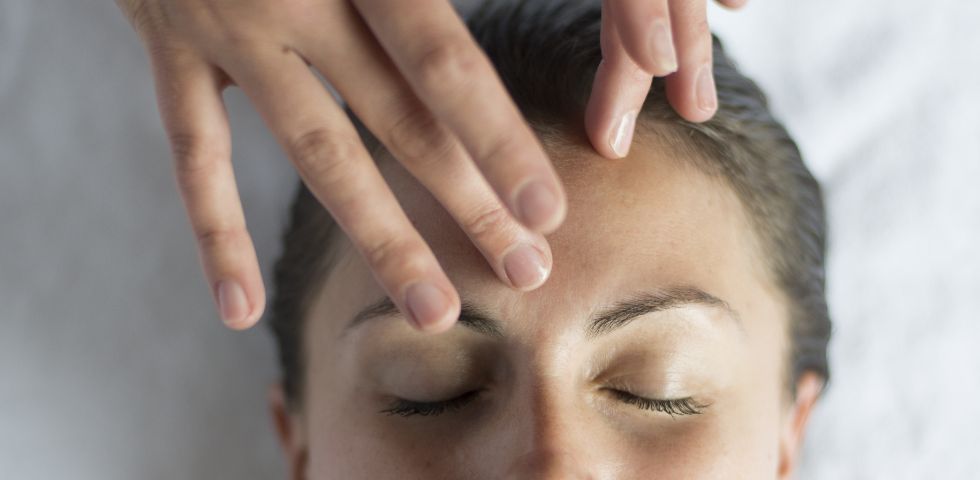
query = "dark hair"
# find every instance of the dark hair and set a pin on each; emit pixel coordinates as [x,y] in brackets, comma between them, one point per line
[546,53]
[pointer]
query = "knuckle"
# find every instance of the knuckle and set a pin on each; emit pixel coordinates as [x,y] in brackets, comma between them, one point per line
[162,50]
[216,238]
[323,155]
[233,36]
[193,154]
[446,63]
[418,140]
[395,257]
[140,14]
[487,222]
[700,28]
[500,149]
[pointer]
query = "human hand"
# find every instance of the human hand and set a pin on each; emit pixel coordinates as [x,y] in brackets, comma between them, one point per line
[642,39]
[415,77]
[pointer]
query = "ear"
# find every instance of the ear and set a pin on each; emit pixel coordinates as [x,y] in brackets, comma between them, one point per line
[808,389]
[289,429]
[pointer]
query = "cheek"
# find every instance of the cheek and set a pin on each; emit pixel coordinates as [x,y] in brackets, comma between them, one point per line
[742,439]
[349,439]
[348,436]
[746,436]
[702,451]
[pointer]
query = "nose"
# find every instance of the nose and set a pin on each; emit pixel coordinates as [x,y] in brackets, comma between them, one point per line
[553,437]
[549,465]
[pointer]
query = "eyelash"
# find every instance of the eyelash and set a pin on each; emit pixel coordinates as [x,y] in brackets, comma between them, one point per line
[672,407]
[408,408]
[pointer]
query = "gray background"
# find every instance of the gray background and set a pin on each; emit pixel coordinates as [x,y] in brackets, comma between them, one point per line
[114,366]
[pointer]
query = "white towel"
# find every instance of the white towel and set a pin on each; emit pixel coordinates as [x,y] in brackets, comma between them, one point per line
[884,98]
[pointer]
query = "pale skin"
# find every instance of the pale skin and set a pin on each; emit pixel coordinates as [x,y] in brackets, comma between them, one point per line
[545,380]
[413,74]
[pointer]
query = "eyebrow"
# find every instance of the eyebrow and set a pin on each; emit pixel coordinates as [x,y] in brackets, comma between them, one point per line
[606,321]
[624,312]
[470,317]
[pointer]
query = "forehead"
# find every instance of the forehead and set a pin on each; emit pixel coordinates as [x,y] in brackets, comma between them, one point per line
[647,222]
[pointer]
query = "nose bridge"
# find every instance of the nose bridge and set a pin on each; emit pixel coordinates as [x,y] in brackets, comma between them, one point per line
[549,465]
[554,443]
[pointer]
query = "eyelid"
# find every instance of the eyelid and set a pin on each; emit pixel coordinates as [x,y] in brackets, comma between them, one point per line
[407,408]
[664,386]
[671,406]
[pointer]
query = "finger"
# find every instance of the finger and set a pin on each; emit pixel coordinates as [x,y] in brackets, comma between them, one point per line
[327,152]
[644,32]
[733,4]
[450,75]
[618,93]
[691,91]
[364,76]
[189,94]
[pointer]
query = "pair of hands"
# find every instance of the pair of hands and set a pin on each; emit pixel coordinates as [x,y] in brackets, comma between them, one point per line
[413,74]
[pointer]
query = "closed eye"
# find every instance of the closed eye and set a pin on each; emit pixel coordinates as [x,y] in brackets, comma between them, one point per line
[407,408]
[672,407]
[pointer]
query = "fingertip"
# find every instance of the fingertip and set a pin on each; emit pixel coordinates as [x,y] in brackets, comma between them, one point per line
[694,99]
[596,125]
[707,97]
[440,326]
[618,94]
[621,136]
[258,309]
[238,307]
[733,4]
[431,309]
[239,326]
[690,113]
[526,267]
[233,304]
[664,59]
[540,205]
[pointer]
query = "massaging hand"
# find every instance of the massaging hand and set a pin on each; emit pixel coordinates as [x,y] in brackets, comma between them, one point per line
[410,70]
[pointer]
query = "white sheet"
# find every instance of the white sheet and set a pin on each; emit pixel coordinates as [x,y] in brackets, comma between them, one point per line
[114,367]
[883,97]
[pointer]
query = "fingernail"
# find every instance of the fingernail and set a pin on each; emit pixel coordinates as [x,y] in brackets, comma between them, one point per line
[662,45]
[622,136]
[427,304]
[537,205]
[707,98]
[525,267]
[232,303]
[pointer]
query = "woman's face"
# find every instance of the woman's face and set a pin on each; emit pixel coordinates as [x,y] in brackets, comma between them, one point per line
[656,349]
